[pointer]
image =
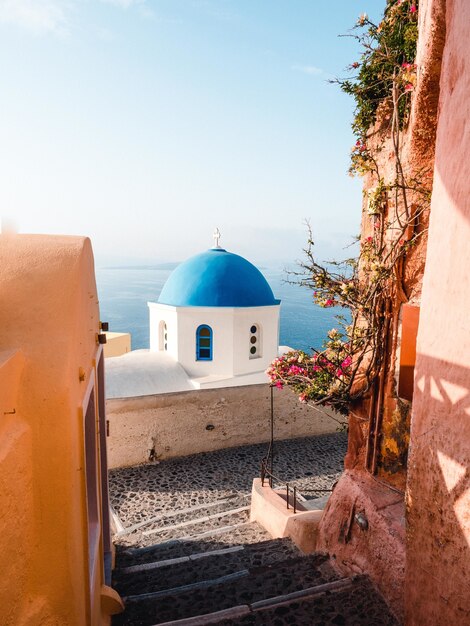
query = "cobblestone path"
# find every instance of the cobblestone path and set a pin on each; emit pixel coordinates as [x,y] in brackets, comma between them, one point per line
[188,555]
[145,491]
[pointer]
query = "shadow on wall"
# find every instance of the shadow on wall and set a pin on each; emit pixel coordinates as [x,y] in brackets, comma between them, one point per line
[438,493]
[164,426]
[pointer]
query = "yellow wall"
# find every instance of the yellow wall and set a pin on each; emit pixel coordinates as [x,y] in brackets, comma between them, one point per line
[117,344]
[49,317]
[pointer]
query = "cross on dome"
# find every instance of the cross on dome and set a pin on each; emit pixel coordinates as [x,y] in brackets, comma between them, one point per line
[217,237]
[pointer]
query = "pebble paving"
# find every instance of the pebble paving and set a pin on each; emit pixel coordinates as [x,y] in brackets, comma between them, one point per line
[189,549]
[141,492]
[362,606]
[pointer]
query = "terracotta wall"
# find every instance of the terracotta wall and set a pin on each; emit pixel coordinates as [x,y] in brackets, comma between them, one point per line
[177,424]
[438,492]
[417,157]
[380,550]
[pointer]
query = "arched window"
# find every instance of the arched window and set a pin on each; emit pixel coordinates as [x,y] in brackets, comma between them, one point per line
[255,341]
[163,336]
[204,343]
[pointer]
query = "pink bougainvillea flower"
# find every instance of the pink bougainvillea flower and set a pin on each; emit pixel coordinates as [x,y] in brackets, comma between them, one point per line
[279,384]
[409,87]
[413,8]
[369,239]
[329,302]
[362,19]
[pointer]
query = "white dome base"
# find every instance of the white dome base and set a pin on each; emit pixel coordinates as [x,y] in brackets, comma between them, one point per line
[243,341]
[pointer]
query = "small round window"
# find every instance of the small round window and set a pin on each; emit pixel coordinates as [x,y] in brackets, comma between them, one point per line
[254,342]
[162,336]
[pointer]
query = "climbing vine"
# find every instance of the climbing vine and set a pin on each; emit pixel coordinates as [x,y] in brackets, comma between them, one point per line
[353,355]
[386,65]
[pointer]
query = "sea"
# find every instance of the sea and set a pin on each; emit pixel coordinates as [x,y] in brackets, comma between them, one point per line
[124,292]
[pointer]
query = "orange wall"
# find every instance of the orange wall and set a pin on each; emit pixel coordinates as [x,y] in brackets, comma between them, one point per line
[15,480]
[50,313]
[438,491]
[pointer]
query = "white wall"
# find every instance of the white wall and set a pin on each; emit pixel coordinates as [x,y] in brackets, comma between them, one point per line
[168,314]
[220,319]
[267,318]
[175,424]
[230,339]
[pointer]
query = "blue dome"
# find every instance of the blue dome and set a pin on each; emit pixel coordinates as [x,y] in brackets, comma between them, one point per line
[217,278]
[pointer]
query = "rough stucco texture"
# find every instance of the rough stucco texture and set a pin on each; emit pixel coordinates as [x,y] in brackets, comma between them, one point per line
[177,424]
[48,320]
[417,158]
[379,550]
[438,495]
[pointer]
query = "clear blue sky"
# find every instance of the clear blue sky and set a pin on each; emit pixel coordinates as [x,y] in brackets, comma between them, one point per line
[146,123]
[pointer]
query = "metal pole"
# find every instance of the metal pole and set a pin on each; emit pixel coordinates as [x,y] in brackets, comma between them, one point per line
[272,430]
[287,494]
[295,499]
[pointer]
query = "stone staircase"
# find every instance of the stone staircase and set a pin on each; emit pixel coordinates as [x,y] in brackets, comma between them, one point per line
[207,564]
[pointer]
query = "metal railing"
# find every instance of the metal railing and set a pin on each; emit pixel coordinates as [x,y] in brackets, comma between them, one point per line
[267,464]
[269,460]
[267,473]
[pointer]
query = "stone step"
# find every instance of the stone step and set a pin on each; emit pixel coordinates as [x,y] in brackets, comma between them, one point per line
[208,521]
[149,565]
[233,534]
[164,518]
[156,525]
[195,527]
[242,586]
[357,604]
[158,575]
[347,602]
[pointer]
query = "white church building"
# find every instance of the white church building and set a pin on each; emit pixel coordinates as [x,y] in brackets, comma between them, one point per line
[217,316]
[215,324]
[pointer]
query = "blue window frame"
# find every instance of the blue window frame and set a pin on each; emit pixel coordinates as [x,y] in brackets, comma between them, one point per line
[204,343]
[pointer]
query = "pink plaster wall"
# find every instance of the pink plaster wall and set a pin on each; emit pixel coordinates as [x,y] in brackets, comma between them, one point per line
[379,550]
[438,489]
[417,158]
